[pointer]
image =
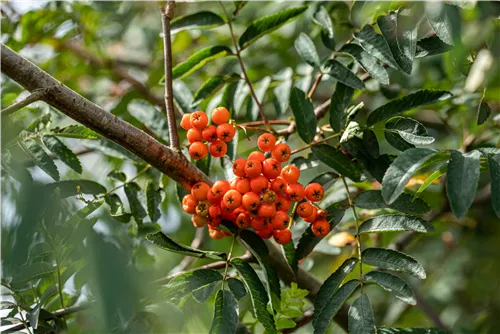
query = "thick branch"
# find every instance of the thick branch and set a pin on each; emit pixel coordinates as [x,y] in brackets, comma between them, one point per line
[31,77]
[33,97]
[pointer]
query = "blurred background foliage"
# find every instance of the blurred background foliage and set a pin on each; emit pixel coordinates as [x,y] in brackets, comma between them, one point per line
[85,44]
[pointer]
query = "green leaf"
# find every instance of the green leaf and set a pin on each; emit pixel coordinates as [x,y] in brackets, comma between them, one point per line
[375,45]
[351,131]
[399,288]
[212,86]
[153,199]
[337,160]
[200,20]
[483,112]
[282,92]
[339,101]
[437,174]
[189,282]
[360,315]
[431,46]
[322,18]
[116,208]
[341,73]
[32,271]
[326,179]
[408,102]
[370,142]
[285,323]
[494,167]
[14,168]
[401,170]
[369,63]
[372,199]
[36,153]
[307,51]
[257,292]
[237,287]
[403,133]
[238,6]
[334,305]
[327,292]
[35,313]
[112,149]
[151,117]
[268,24]
[183,97]
[395,223]
[82,214]
[204,294]
[259,249]
[260,91]
[400,31]
[462,180]
[225,313]
[161,240]
[200,59]
[74,187]
[445,21]
[117,175]
[384,330]
[61,151]
[303,110]
[75,131]
[393,260]
[132,191]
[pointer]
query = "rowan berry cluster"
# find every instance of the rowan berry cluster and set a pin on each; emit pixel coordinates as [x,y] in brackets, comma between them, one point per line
[198,131]
[259,197]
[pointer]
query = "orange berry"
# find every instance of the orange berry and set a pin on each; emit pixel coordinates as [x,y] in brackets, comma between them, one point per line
[232,199]
[250,201]
[226,132]
[215,211]
[282,204]
[271,168]
[220,188]
[256,155]
[314,192]
[214,222]
[280,220]
[266,142]
[212,198]
[186,122]
[295,192]
[198,150]
[322,214]
[320,228]
[189,200]
[239,167]
[242,184]
[253,168]
[218,148]
[228,215]
[281,152]
[200,191]
[202,208]
[194,135]
[215,234]
[220,115]
[243,220]
[290,174]
[313,216]
[258,184]
[282,236]
[305,210]
[269,197]
[278,185]
[259,223]
[189,209]
[267,232]
[209,133]
[267,210]
[199,221]
[199,119]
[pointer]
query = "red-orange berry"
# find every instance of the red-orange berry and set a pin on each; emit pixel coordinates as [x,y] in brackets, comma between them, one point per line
[320,228]
[199,221]
[228,215]
[251,201]
[281,152]
[198,150]
[314,192]
[215,234]
[258,223]
[242,184]
[220,115]
[282,204]
[194,135]
[290,174]
[256,155]
[280,220]
[243,220]
[220,188]
[212,198]
[253,168]
[282,236]
[271,168]
[202,208]
[258,184]
[269,197]
[312,218]
[186,122]
[239,167]
[295,192]
[218,148]
[322,214]
[214,222]
[189,200]
[278,185]
[267,232]
[232,199]
[209,133]
[305,210]
[267,210]
[189,209]
[199,119]
[226,132]
[200,191]
[266,142]
[215,211]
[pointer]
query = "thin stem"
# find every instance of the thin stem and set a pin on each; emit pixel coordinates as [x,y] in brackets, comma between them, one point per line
[315,143]
[243,71]
[23,320]
[144,170]
[292,215]
[357,231]
[271,121]
[59,282]
[167,13]
[33,97]
[315,85]
[228,259]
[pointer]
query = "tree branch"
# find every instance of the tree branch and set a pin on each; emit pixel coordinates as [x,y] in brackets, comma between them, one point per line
[33,97]
[167,13]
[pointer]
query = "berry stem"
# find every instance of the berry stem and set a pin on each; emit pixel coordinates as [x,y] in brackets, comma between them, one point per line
[315,143]
[292,215]
[243,70]
[167,13]
[228,259]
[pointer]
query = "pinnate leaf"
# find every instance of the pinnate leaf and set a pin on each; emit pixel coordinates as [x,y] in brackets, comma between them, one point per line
[398,287]
[199,20]
[303,110]
[225,313]
[393,260]
[395,223]
[162,241]
[360,315]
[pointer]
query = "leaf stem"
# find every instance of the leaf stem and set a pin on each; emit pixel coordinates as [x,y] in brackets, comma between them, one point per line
[228,259]
[315,143]
[315,85]
[33,97]
[144,170]
[167,13]
[243,71]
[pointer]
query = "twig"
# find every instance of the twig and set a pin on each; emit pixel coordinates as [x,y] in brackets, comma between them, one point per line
[243,71]
[315,143]
[36,95]
[167,13]
[315,85]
